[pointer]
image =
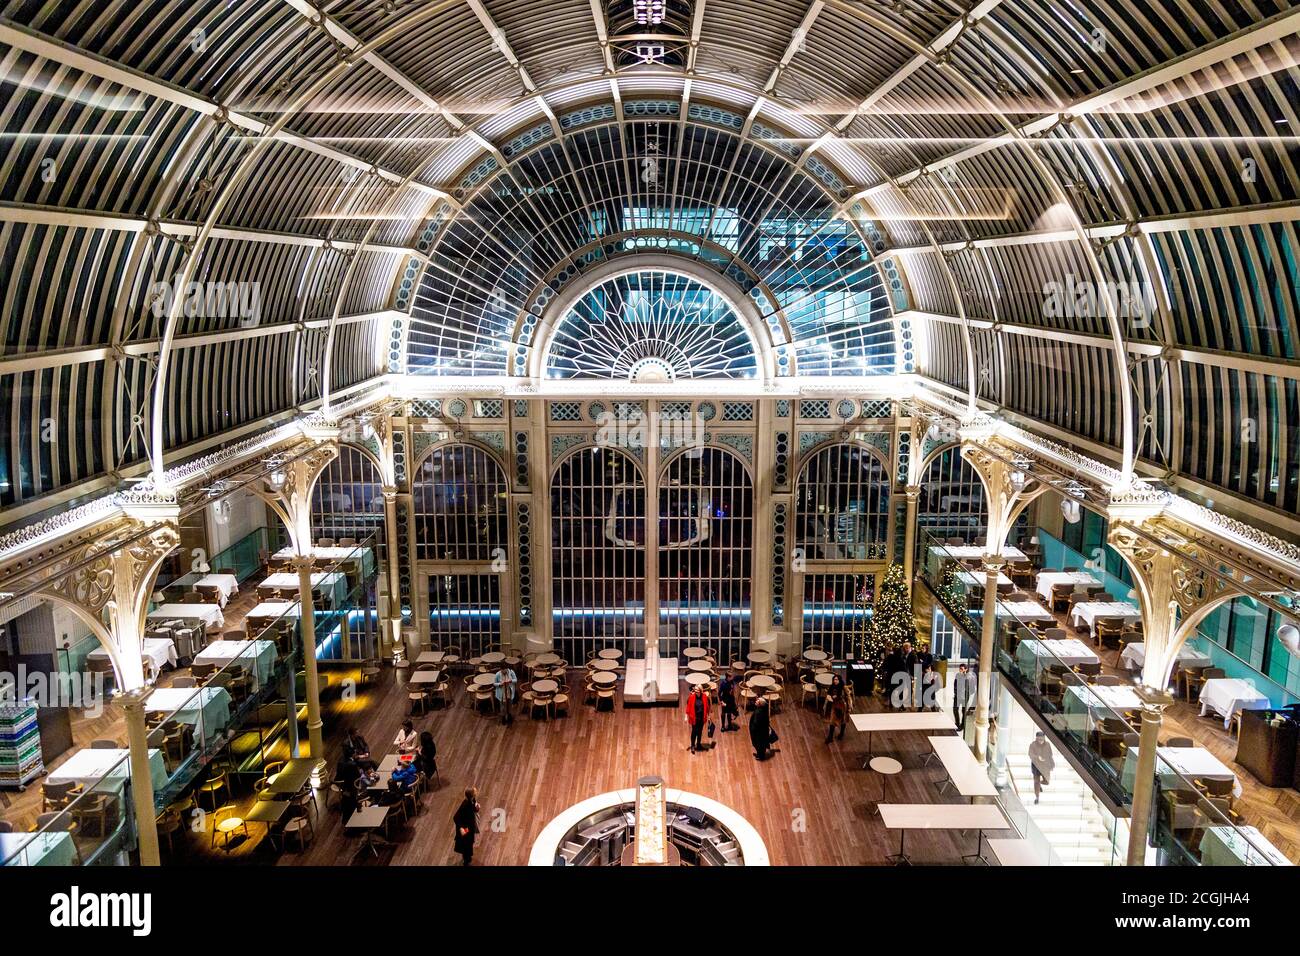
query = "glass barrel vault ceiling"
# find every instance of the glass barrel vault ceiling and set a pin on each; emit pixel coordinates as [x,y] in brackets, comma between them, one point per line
[683,191]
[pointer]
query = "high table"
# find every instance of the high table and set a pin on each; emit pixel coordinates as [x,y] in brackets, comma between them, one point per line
[259,656]
[907,720]
[207,708]
[964,771]
[1049,579]
[51,848]
[1228,695]
[941,816]
[367,820]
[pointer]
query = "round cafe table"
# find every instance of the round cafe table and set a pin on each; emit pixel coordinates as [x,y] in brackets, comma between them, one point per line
[603,678]
[545,687]
[762,681]
[824,680]
[483,680]
[699,666]
[547,660]
[760,657]
[603,664]
[815,656]
[886,767]
[691,653]
[697,680]
[609,654]
[493,657]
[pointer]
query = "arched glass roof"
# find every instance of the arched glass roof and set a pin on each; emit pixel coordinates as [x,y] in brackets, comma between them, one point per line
[408,184]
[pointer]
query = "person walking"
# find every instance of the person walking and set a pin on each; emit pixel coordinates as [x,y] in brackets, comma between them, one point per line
[761,735]
[428,756]
[964,689]
[697,715]
[727,697]
[837,708]
[466,823]
[506,684]
[1041,763]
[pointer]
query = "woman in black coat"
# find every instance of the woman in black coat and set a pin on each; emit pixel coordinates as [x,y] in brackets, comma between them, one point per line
[466,821]
[428,751]
[760,729]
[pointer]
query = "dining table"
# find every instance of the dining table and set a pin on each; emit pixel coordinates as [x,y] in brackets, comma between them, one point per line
[258,656]
[205,708]
[1087,612]
[161,651]
[209,615]
[46,848]
[605,664]
[106,769]
[1049,579]
[1085,705]
[1228,696]
[1033,655]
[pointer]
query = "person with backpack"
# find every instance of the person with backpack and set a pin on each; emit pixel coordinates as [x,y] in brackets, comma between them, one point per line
[727,697]
[697,715]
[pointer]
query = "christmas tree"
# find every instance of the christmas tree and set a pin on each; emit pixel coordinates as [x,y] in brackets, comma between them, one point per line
[890,623]
[953,593]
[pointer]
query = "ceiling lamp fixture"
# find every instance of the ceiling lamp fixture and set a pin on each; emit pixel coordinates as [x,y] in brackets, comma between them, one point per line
[649,12]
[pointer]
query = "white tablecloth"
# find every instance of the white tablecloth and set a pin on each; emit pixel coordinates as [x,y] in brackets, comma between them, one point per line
[327,582]
[160,650]
[1135,655]
[225,584]
[260,653]
[1084,706]
[1049,579]
[1024,611]
[976,580]
[209,614]
[1191,763]
[973,552]
[1089,611]
[1227,695]
[271,610]
[88,767]
[1226,846]
[1034,655]
[205,706]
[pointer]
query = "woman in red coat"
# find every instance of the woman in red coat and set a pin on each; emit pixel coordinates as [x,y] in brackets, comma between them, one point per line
[697,715]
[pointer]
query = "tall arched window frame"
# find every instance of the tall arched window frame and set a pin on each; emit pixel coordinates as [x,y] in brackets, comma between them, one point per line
[706,547]
[348,499]
[459,498]
[952,503]
[842,505]
[598,558]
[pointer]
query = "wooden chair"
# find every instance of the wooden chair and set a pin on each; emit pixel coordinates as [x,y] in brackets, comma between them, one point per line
[1207,674]
[298,824]
[370,670]
[105,745]
[92,813]
[217,782]
[225,821]
[56,796]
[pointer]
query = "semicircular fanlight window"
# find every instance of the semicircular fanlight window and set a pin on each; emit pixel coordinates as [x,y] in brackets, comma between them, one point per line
[651,327]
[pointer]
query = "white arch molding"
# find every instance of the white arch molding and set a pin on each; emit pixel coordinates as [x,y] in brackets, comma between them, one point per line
[745,309]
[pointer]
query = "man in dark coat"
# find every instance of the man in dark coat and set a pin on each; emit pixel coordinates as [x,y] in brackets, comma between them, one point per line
[727,697]
[760,729]
[466,821]
[895,673]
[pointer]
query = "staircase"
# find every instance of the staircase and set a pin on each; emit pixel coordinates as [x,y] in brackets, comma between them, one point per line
[1066,815]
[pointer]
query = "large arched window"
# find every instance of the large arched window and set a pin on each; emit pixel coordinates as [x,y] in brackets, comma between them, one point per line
[706,546]
[459,496]
[842,506]
[348,500]
[952,500]
[598,570]
[651,326]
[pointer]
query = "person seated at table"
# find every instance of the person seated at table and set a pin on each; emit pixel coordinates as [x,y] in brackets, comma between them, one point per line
[351,780]
[405,775]
[407,740]
[394,794]
[360,750]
